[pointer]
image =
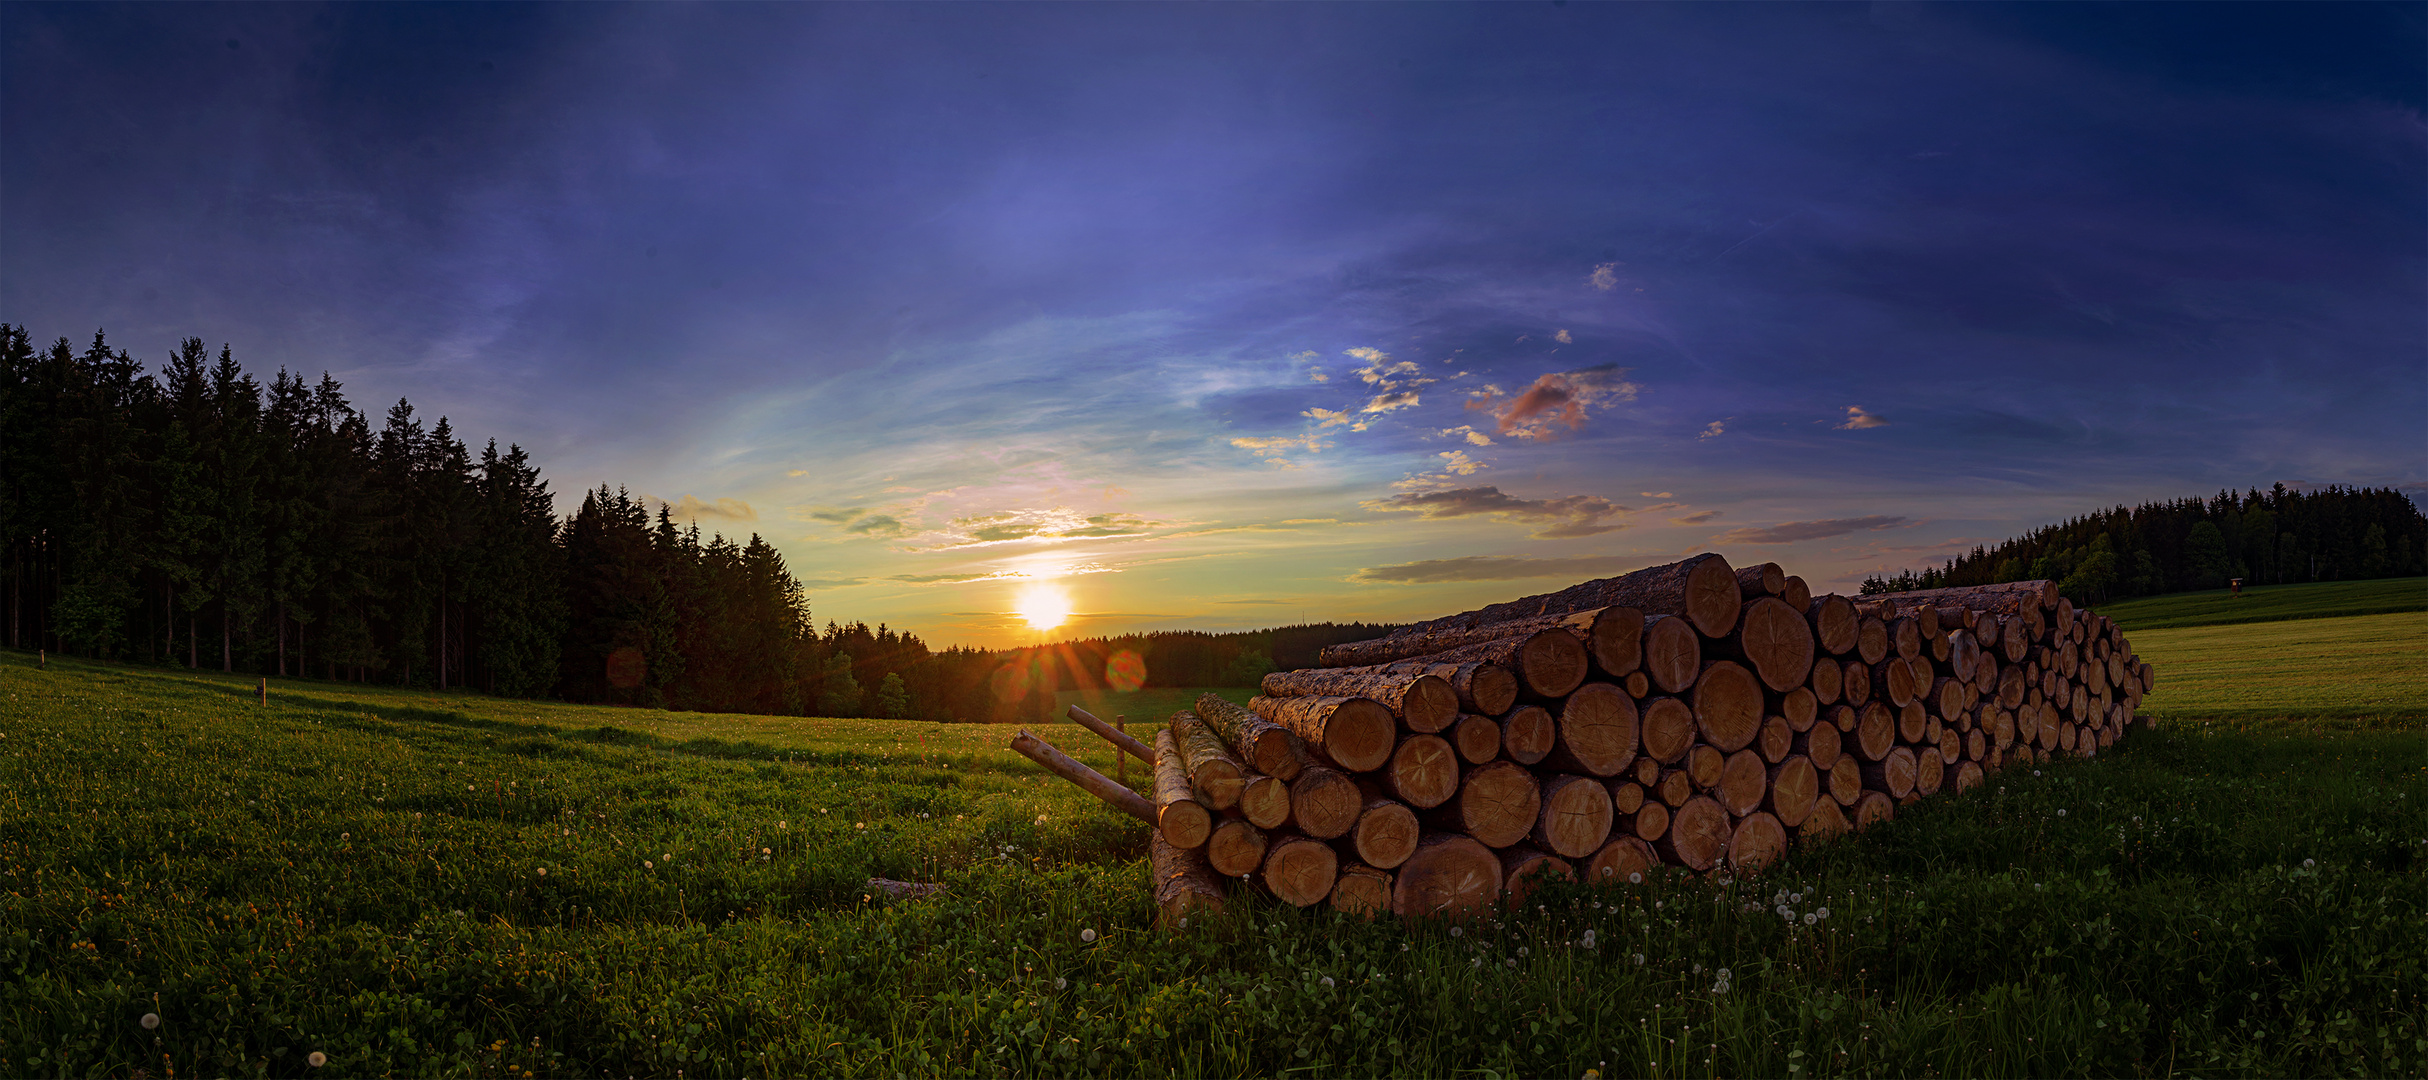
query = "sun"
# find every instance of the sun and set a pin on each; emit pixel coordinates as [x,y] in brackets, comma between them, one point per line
[1045,606]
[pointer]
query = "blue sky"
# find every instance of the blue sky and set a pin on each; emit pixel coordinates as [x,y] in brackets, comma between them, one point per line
[1234,315]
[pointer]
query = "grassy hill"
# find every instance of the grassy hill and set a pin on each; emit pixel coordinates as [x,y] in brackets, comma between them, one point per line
[2368,665]
[2270,603]
[452,885]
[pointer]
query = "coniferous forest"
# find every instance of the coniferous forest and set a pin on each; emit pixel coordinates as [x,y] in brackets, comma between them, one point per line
[196,517]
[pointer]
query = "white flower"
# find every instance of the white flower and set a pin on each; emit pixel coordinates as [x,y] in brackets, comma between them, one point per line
[150,1021]
[1824,913]
[2309,862]
[2060,813]
[317,1059]
[1522,950]
[1588,939]
[648,865]
[1810,918]
[1639,959]
[1060,982]
[1635,877]
[1510,964]
[543,872]
[1455,931]
[1723,974]
[2035,772]
[1087,935]
[1041,819]
[666,858]
[1326,980]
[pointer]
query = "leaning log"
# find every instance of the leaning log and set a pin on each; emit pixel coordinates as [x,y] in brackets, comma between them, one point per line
[1089,780]
[1120,739]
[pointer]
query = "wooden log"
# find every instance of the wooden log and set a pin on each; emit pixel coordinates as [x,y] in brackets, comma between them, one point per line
[1968,776]
[1986,671]
[1756,582]
[1797,594]
[1236,848]
[1826,823]
[1523,869]
[1776,741]
[1089,780]
[1263,745]
[1819,745]
[1121,740]
[1264,801]
[1299,871]
[1476,738]
[1727,705]
[1857,687]
[1894,679]
[1845,718]
[1358,733]
[1421,701]
[1976,744]
[1648,771]
[1911,720]
[1703,588]
[1213,773]
[1482,687]
[1837,629]
[1650,822]
[1184,884]
[1874,808]
[1828,681]
[2014,638]
[1698,835]
[1951,746]
[1636,685]
[1744,780]
[1626,797]
[1846,781]
[1595,733]
[1626,860]
[2011,688]
[1674,787]
[1800,706]
[1325,802]
[1385,834]
[1930,771]
[1988,631]
[1703,765]
[1422,771]
[1672,651]
[1791,789]
[1449,876]
[1575,818]
[1497,804]
[1758,841]
[1773,640]
[1875,732]
[1893,774]
[1608,631]
[1964,655]
[1871,640]
[1527,734]
[1668,729]
[2006,597]
[1361,890]
[1179,816]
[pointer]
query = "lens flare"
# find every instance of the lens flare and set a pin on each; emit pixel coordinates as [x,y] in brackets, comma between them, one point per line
[1043,605]
[1125,671]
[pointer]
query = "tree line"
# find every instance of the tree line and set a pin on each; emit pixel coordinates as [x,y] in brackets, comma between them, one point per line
[2274,537]
[199,518]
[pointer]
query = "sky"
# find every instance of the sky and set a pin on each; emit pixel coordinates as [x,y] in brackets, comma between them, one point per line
[1011,322]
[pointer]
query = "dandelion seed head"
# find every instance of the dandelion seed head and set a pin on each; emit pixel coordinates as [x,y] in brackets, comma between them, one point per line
[317,1059]
[1326,980]
[150,1021]
[1088,935]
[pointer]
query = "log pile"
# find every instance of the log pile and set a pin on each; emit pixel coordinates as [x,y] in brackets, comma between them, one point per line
[1693,715]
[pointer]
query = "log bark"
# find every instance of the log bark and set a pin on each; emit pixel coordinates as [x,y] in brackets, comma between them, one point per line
[1596,731]
[1819,745]
[1361,890]
[1089,780]
[1422,771]
[1893,774]
[1184,884]
[1236,848]
[1672,651]
[1774,641]
[1449,876]
[1836,627]
[1758,841]
[1121,740]
[1264,801]
[1477,738]
[1214,774]
[1179,816]
[1792,788]
[1701,587]
[1827,822]
[1744,780]
[1575,818]
[1756,582]
[1650,823]
[1801,706]
[1626,860]
[1527,734]
[1524,868]
[1497,804]
[1358,733]
[1874,808]
[1324,802]
[1482,687]
[1265,746]
[1299,871]
[1698,835]
[1797,594]
[1547,663]
[1846,781]
[1875,732]
[1421,701]
[1385,834]
[1728,705]
[1607,631]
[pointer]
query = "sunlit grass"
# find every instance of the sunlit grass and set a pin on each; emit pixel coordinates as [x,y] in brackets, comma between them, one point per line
[2366,665]
[2270,603]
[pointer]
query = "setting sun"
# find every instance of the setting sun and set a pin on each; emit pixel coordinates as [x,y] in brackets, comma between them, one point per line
[1044,605]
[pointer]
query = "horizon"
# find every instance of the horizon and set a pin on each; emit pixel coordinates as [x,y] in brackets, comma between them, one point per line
[1126,319]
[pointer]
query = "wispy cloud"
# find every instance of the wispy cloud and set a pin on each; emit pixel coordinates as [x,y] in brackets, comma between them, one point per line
[1488,568]
[1275,449]
[1857,419]
[1563,338]
[1283,526]
[1458,462]
[1696,518]
[1573,516]
[1473,437]
[1793,531]
[1559,399]
[1057,524]
[1604,277]
[1717,429]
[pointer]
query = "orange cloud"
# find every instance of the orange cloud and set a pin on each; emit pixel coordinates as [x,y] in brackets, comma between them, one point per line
[1561,398]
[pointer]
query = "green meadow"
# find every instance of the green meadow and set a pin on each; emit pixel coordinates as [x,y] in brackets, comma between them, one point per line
[2270,603]
[442,885]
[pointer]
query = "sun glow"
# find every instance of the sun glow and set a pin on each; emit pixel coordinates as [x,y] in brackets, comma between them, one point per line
[1044,605]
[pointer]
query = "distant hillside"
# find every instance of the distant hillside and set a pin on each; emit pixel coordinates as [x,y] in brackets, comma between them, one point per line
[2271,603]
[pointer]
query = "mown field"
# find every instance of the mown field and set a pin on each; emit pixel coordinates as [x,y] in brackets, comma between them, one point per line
[2270,603]
[430,885]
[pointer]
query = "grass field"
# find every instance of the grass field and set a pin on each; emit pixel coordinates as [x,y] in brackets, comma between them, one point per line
[2270,603]
[2363,666]
[434,885]
[1151,705]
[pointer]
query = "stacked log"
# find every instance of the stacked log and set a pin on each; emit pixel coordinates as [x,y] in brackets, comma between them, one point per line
[1691,714]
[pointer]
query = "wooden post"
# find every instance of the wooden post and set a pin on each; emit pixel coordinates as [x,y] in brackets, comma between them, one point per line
[42,659]
[265,689]
[1089,780]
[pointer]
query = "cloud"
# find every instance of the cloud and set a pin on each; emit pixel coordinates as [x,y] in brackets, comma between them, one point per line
[861,521]
[1273,448]
[692,509]
[1460,463]
[1256,601]
[1573,516]
[1792,531]
[816,584]
[1032,574]
[1857,419]
[1487,568]
[1473,437]
[1012,526]
[1326,418]
[798,472]
[1696,518]
[1287,525]
[1559,398]
[1383,403]
[1656,494]
[1563,338]
[1604,277]
[1714,431]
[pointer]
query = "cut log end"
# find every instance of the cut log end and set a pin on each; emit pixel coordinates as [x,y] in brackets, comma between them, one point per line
[1575,818]
[1362,891]
[1449,876]
[1728,705]
[1525,869]
[1698,835]
[1758,841]
[1673,655]
[1385,834]
[1300,872]
[1625,860]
